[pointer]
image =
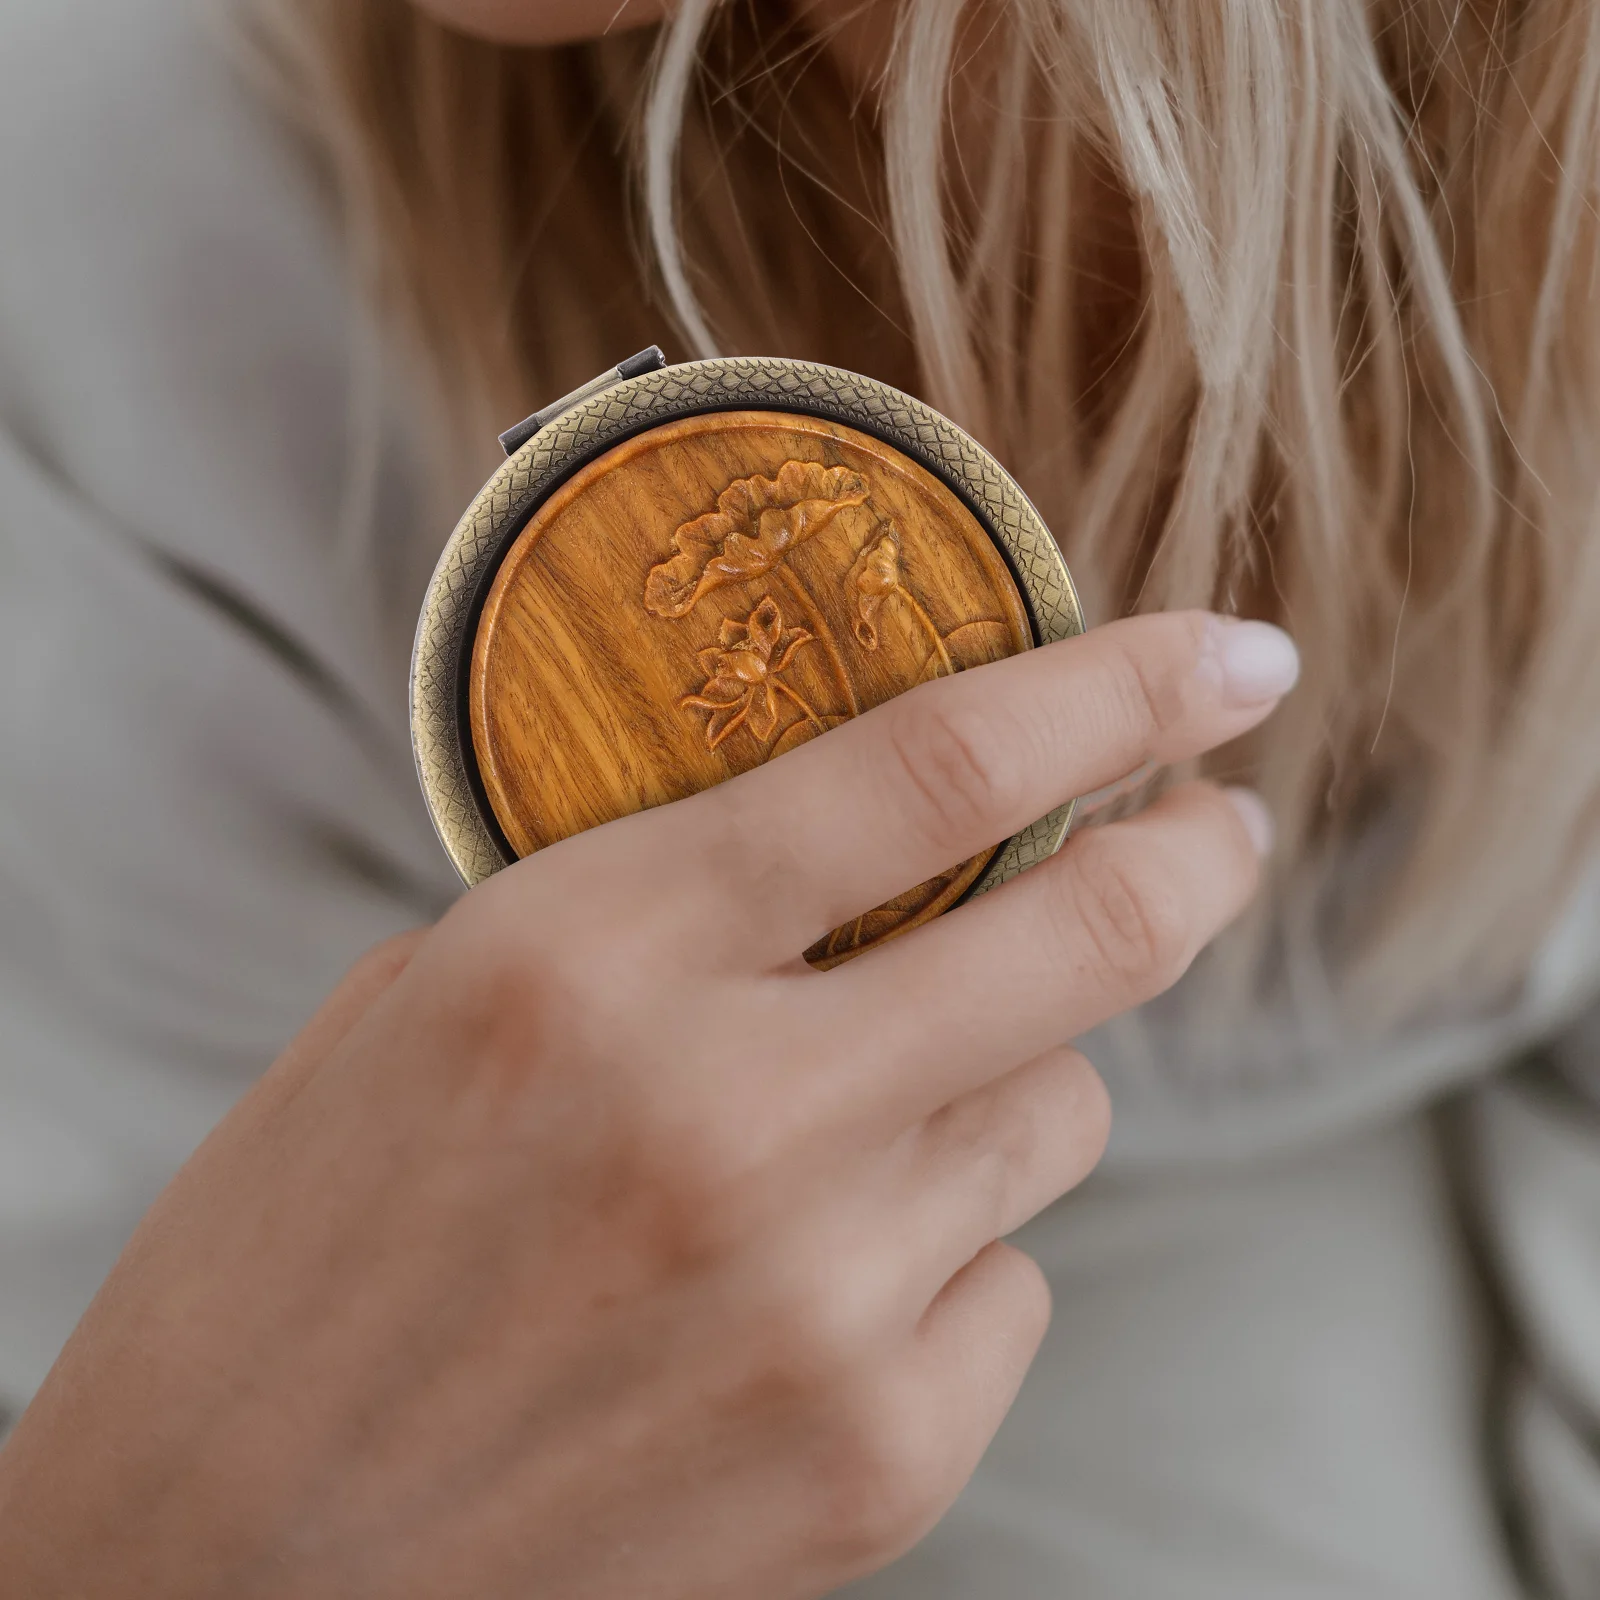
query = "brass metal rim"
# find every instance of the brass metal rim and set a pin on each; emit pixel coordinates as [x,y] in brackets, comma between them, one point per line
[439,724]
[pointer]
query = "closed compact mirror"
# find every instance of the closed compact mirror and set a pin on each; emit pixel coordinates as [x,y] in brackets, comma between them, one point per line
[691,571]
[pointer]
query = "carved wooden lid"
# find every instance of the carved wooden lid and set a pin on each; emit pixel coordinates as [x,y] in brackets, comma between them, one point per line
[704,594]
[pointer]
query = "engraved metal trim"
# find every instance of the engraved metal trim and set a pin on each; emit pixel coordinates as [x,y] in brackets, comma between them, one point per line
[738,383]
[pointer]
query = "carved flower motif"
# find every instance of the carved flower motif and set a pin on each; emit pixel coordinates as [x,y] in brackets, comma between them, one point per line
[874,577]
[757,521]
[742,684]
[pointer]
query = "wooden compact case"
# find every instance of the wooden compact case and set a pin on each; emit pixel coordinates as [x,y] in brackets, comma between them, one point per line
[681,572]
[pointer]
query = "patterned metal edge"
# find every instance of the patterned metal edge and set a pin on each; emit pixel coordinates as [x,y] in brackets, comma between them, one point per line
[736,383]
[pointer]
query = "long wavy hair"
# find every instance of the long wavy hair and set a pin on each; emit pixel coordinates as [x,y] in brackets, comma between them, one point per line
[1287,307]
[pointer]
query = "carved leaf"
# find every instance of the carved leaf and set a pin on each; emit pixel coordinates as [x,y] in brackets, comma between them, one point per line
[873,577]
[757,521]
[975,643]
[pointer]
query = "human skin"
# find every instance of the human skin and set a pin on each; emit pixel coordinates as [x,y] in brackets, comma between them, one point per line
[858,31]
[544,21]
[592,1244]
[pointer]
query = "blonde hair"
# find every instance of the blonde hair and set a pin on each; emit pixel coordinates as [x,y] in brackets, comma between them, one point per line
[1283,306]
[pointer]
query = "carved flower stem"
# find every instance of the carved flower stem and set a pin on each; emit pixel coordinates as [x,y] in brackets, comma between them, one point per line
[819,626]
[932,631]
[784,689]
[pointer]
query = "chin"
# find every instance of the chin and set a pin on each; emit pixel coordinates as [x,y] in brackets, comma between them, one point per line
[542,21]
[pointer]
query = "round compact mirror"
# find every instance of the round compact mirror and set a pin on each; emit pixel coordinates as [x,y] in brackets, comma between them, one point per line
[681,572]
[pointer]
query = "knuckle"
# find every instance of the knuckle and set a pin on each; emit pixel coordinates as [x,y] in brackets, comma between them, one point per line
[508,1009]
[581,912]
[696,1174]
[889,1477]
[996,1182]
[738,861]
[998,1144]
[1141,701]
[384,962]
[1132,915]
[821,1329]
[709,1155]
[957,769]
[675,1223]
[996,1122]
[1014,1136]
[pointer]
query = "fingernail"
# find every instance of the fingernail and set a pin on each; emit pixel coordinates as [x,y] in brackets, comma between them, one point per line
[1256,818]
[1256,661]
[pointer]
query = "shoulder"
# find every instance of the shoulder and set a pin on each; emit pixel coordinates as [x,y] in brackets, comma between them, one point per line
[125,125]
[168,249]
[217,768]
[179,340]
[113,100]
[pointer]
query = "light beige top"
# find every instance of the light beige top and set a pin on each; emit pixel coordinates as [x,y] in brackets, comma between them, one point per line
[207,809]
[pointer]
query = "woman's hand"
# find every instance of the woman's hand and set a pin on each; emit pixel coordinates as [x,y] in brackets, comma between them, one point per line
[592,1244]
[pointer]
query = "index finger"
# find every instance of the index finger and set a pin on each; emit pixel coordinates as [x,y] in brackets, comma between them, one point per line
[955,766]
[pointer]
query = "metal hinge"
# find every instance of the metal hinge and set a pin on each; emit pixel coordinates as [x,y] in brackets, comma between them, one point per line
[651,360]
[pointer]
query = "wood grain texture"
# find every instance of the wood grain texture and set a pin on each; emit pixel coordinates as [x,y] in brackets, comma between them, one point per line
[709,595]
